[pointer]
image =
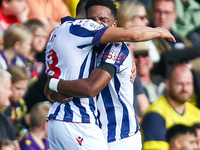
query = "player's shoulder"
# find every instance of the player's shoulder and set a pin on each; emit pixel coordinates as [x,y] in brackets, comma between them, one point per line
[88,24]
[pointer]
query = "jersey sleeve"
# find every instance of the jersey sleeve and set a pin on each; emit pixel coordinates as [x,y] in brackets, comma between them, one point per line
[88,29]
[154,131]
[114,54]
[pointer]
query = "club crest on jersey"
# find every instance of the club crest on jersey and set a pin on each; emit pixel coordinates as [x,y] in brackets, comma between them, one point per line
[79,140]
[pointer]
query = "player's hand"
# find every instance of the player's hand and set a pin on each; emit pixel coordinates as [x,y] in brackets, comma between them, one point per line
[166,34]
[57,97]
[134,72]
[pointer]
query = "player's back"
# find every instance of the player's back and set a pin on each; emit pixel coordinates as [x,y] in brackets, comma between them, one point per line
[69,56]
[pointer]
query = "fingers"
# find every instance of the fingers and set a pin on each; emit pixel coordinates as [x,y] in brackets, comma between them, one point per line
[133,76]
[172,39]
[57,97]
[166,34]
[134,72]
[133,79]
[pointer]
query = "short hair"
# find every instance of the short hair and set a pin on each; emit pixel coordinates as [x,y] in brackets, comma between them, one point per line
[127,11]
[16,32]
[9,143]
[80,7]
[18,73]
[107,3]
[4,74]
[196,125]
[33,24]
[153,2]
[179,129]
[38,114]
[171,69]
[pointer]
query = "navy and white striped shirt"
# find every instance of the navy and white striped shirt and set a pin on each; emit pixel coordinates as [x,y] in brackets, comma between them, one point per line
[69,56]
[115,102]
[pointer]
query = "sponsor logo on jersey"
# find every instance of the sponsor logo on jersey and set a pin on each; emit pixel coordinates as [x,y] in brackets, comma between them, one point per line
[79,140]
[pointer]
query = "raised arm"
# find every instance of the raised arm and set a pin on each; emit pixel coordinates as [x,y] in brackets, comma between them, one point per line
[134,34]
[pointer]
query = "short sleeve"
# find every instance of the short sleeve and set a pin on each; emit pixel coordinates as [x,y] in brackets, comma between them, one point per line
[114,54]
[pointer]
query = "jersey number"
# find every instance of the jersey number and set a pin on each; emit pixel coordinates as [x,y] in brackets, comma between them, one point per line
[52,66]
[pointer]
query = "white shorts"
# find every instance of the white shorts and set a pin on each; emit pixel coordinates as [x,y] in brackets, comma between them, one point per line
[75,136]
[133,142]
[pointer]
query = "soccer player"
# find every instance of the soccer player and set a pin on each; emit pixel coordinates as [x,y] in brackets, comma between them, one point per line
[82,109]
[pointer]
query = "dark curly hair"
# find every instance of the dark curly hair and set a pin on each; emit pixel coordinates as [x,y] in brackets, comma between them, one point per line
[107,3]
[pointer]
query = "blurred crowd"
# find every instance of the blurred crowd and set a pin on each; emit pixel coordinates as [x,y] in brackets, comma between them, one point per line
[166,89]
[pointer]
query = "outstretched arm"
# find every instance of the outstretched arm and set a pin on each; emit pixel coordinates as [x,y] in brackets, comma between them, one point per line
[134,34]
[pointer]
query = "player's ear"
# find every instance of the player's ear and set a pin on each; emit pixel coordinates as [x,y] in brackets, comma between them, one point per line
[114,23]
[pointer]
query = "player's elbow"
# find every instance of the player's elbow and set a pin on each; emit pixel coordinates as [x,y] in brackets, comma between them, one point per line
[91,91]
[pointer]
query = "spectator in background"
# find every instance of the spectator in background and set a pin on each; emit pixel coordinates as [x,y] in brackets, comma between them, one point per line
[197,128]
[7,145]
[141,102]
[170,109]
[185,56]
[153,85]
[163,14]
[36,139]
[10,10]
[18,109]
[132,13]
[194,37]
[35,93]
[35,66]
[48,11]
[17,42]
[7,130]
[188,12]
[181,137]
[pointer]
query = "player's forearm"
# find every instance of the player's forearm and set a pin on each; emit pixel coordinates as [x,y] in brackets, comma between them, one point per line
[89,87]
[79,88]
[134,34]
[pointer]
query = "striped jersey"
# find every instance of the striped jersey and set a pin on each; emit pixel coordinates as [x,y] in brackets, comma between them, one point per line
[69,56]
[115,102]
[4,62]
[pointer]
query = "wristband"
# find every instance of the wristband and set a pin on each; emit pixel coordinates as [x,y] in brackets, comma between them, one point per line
[53,84]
